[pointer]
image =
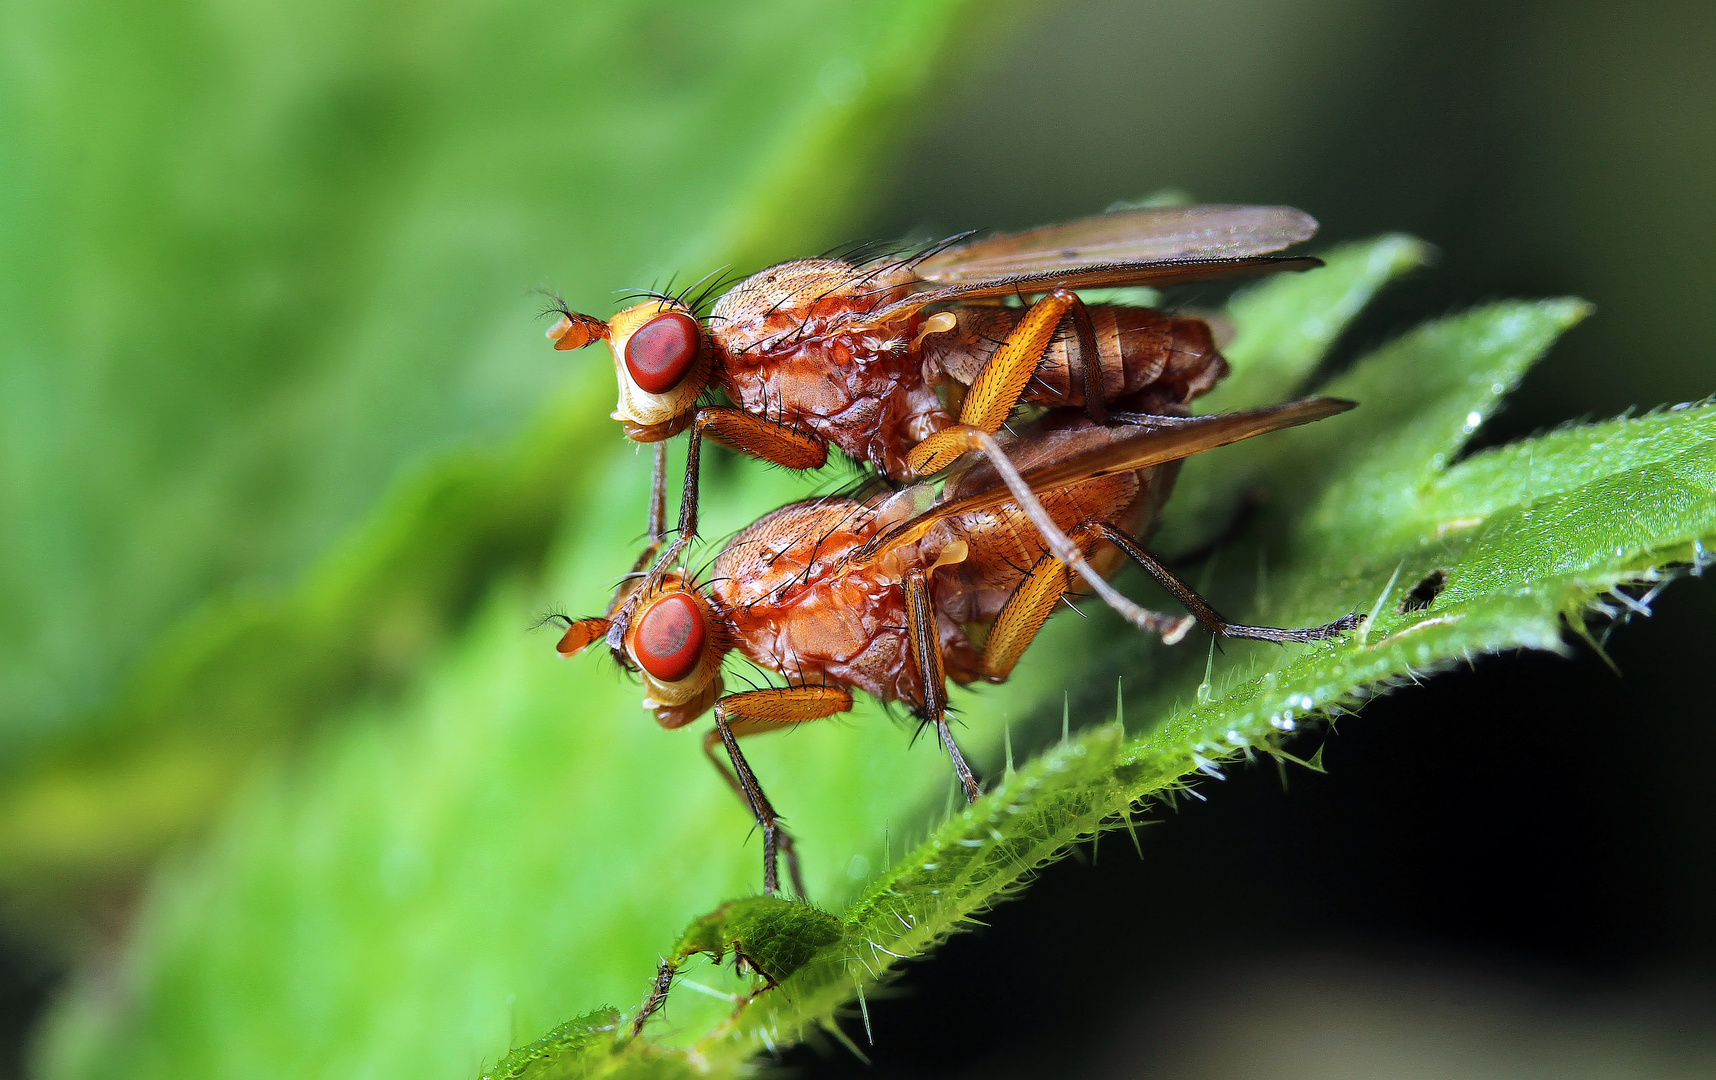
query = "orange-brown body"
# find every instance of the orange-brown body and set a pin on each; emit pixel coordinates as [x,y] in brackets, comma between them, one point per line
[812,344]
[842,594]
[910,363]
[799,597]
[1149,361]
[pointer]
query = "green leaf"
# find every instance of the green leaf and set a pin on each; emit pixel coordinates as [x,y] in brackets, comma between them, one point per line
[1284,328]
[587,1038]
[515,841]
[1282,331]
[338,292]
[1423,396]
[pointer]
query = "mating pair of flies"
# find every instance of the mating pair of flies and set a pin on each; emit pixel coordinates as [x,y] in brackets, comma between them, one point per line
[913,364]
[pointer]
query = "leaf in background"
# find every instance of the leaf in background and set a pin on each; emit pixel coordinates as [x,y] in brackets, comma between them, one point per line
[260,258]
[515,843]
[1283,329]
[298,243]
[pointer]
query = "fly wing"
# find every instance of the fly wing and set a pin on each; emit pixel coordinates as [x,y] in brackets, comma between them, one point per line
[1161,246]
[1104,275]
[1167,234]
[1155,446]
[1127,452]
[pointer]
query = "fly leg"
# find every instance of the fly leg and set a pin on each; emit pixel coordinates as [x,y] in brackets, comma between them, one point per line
[998,388]
[784,705]
[662,984]
[1089,362]
[657,996]
[687,530]
[1061,545]
[581,633]
[993,395]
[1154,420]
[743,964]
[1034,600]
[741,728]
[657,500]
[758,437]
[1207,616]
[774,442]
[926,650]
[657,529]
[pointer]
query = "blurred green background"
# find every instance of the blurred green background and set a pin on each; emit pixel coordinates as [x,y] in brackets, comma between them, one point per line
[264,276]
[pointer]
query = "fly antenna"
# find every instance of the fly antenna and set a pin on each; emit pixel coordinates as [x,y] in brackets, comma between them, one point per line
[572,329]
[553,618]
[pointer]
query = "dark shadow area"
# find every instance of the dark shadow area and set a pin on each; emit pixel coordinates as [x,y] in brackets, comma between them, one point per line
[27,980]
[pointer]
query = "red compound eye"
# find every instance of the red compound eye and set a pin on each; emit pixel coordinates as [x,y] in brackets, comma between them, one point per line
[660,352]
[670,637]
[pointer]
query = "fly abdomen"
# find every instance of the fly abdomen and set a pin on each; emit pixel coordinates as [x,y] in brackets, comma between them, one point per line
[1146,357]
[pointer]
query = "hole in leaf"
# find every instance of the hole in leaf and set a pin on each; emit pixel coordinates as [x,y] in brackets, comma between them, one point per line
[1423,594]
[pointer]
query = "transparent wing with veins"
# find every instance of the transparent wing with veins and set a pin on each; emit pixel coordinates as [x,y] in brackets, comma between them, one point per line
[1115,450]
[1134,237]
[1158,247]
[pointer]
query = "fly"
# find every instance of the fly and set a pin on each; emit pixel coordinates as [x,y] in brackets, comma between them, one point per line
[901,361]
[882,594]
